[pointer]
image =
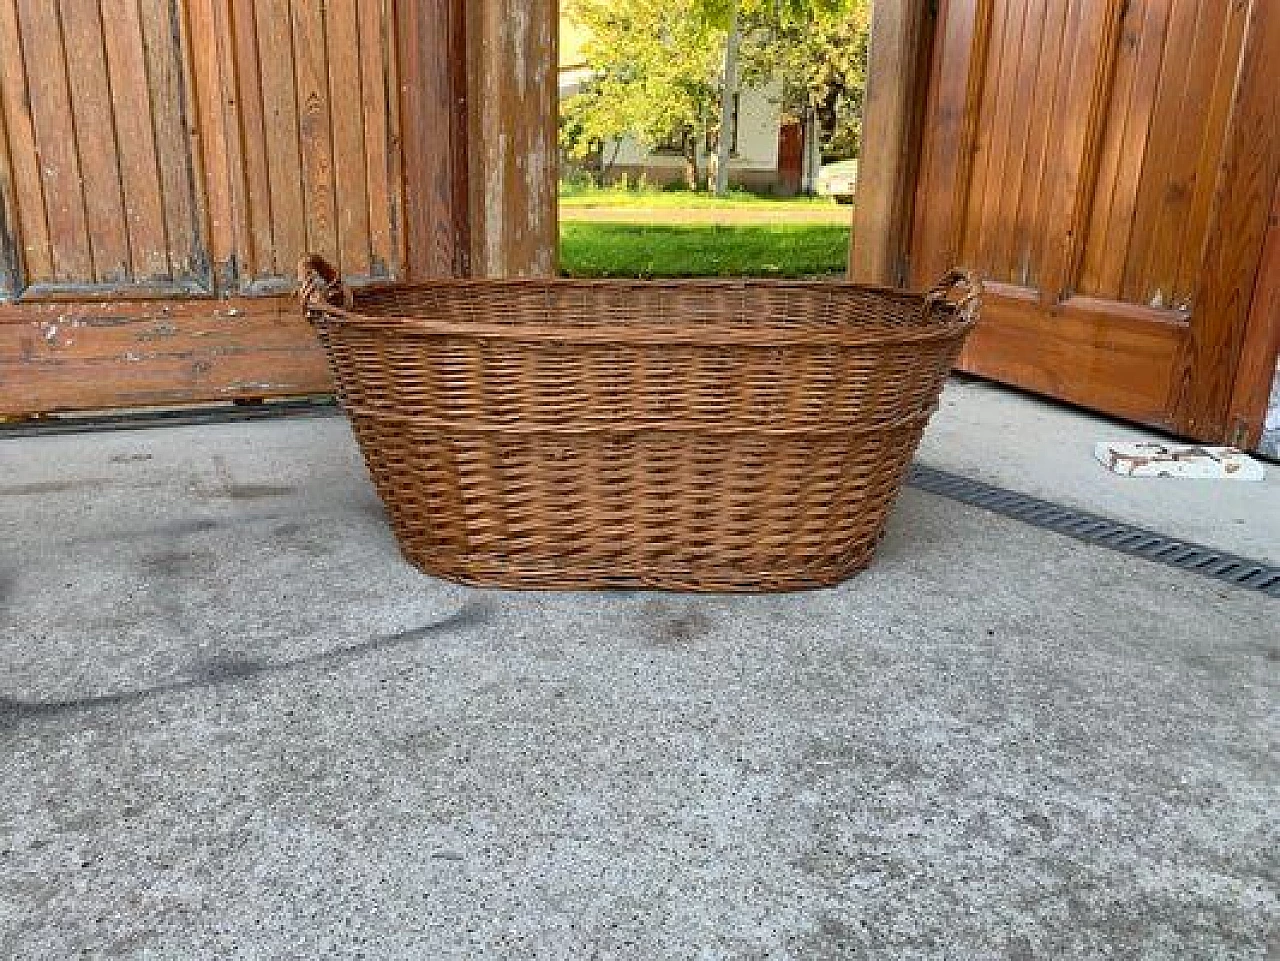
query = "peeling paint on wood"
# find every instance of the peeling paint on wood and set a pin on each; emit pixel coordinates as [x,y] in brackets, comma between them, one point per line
[99,356]
[512,88]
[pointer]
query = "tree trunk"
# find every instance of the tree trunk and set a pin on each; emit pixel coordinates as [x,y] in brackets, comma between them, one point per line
[599,173]
[728,98]
[812,152]
[606,166]
[691,163]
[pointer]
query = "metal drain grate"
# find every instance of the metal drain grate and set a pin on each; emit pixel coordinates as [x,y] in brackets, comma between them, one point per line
[174,417]
[1101,531]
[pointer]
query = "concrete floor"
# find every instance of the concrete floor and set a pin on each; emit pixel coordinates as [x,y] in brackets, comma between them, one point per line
[235,725]
[1011,439]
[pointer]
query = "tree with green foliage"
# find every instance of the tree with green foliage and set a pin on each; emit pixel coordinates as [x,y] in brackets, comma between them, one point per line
[659,69]
[655,77]
[774,32]
[821,61]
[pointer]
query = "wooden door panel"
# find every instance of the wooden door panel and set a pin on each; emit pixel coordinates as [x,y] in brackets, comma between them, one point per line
[1088,353]
[104,177]
[1083,155]
[1009,156]
[319,152]
[145,152]
[163,166]
[1163,138]
[86,356]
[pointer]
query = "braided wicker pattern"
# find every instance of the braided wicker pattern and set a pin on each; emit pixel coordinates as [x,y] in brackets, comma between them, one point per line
[735,435]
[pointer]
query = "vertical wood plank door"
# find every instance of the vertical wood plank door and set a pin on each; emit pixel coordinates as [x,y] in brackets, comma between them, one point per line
[1107,166]
[163,166]
[103,188]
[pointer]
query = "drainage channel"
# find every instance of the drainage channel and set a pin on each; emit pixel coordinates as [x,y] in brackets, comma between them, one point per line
[1101,531]
[1090,528]
[172,417]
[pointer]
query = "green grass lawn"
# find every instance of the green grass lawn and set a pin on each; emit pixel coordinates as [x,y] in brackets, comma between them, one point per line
[628,250]
[580,196]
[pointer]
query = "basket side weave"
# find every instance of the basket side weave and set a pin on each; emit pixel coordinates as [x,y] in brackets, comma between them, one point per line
[704,436]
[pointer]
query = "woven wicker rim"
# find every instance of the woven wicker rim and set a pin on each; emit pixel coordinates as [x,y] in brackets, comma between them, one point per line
[664,426]
[323,294]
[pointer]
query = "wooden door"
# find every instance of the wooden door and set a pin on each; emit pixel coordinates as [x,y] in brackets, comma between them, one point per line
[163,165]
[1108,166]
[102,189]
[791,151]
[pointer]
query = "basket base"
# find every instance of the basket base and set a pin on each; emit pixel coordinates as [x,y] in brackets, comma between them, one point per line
[503,573]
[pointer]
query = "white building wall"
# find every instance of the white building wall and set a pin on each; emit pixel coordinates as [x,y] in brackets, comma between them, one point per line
[759,118]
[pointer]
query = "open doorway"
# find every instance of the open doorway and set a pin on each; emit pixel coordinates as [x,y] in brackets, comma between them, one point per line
[701,138]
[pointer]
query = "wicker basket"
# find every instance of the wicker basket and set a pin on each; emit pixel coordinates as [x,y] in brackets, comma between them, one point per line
[692,435]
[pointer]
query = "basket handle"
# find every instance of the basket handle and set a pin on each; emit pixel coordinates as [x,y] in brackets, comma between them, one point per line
[320,283]
[961,288]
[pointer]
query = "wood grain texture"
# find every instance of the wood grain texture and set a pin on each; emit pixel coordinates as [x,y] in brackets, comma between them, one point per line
[379,100]
[433,99]
[226,110]
[1087,67]
[1026,253]
[55,141]
[214,136]
[1260,351]
[1222,83]
[1161,199]
[1036,46]
[1126,146]
[1081,350]
[347,59]
[216,141]
[315,127]
[65,357]
[896,72]
[242,75]
[996,138]
[171,89]
[136,145]
[105,160]
[1246,186]
[943,185]
[274,56]
[1164,133]
[95,138]
[1108,140]
[512,136]
[25,218]
[10,259]
[317,161]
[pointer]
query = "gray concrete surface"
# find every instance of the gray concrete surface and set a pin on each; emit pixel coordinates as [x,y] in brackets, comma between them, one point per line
[235,725]
[1039,447]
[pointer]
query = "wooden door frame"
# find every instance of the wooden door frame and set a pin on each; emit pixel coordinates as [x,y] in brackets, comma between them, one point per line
[1224,379]
[1260,348]
[898,73]
[487,205]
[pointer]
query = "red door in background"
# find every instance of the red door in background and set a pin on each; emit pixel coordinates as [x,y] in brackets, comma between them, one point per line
[790,158]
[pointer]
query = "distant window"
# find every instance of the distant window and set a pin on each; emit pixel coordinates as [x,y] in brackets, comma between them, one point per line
[737,126]
[737,123]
